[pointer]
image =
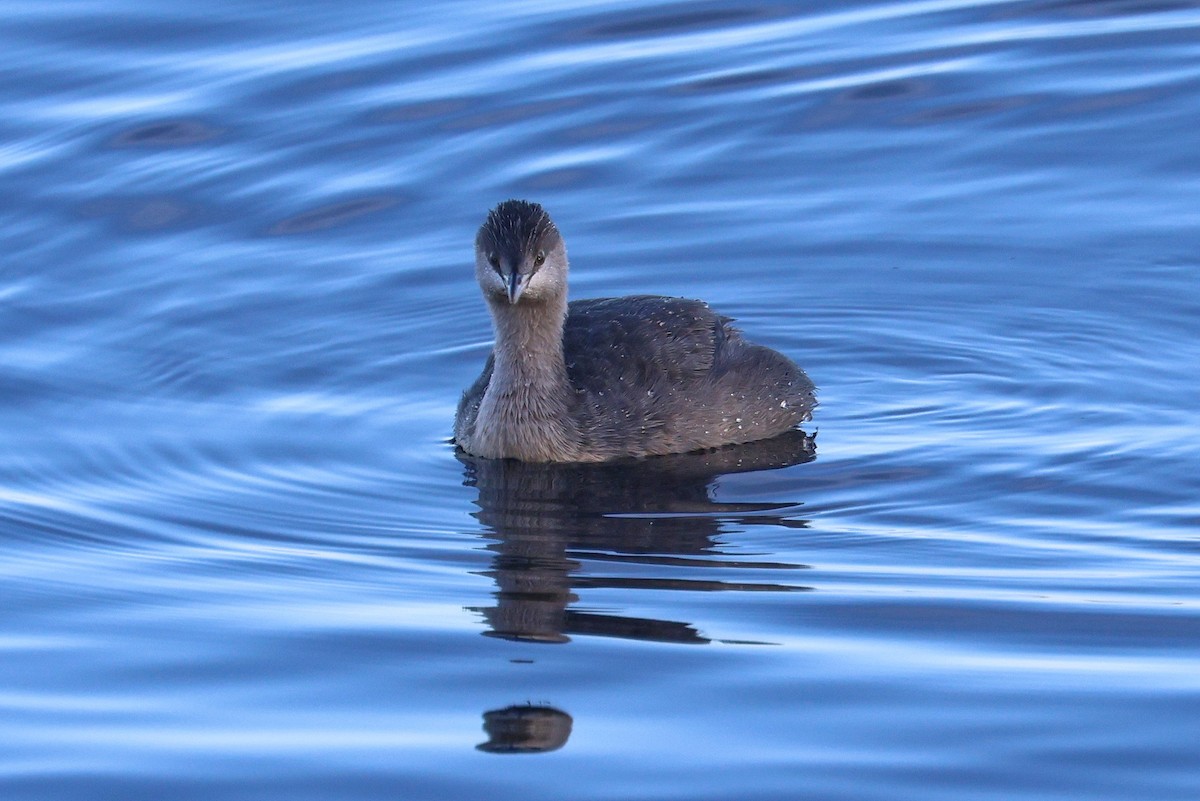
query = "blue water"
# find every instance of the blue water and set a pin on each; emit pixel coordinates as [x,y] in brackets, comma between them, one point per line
[240,559]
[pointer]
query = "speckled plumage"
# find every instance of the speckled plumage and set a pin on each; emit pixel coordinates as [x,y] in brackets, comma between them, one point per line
[610,377]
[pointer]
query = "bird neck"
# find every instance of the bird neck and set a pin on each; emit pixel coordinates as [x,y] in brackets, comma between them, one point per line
[526,411]
[529,345]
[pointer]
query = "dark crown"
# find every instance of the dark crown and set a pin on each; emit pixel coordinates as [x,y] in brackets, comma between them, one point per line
[516,227]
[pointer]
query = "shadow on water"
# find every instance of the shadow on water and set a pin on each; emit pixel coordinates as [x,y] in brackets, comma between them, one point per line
[657,512]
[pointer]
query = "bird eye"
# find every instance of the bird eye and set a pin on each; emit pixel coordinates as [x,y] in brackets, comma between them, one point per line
[494,260]
[540,259]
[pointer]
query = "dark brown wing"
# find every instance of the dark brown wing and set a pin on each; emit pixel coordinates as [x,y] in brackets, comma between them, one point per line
[645,341]
[468,404]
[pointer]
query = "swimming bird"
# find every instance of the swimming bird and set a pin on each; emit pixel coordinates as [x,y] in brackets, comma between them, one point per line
[605,378]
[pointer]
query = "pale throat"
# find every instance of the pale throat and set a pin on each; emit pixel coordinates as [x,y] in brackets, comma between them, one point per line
[525,411]
[529,345]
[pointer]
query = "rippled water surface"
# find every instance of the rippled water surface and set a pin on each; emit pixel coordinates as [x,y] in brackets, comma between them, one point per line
[241,559]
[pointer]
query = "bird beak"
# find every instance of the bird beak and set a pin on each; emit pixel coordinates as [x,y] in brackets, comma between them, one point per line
[514,286]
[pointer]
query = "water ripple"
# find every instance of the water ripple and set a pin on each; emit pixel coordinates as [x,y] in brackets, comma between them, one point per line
[239,307]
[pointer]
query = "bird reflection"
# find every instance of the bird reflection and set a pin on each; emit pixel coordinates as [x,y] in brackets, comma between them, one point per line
[525,729]
[657,512]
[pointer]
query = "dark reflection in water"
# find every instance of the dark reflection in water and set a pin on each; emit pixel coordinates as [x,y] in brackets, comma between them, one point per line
[525,730]
[167,134]
[652,512]
[143,214]
[1100,9]
[330,216]
[674,23]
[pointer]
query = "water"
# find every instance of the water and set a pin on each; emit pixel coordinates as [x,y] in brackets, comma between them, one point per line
[241,560]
